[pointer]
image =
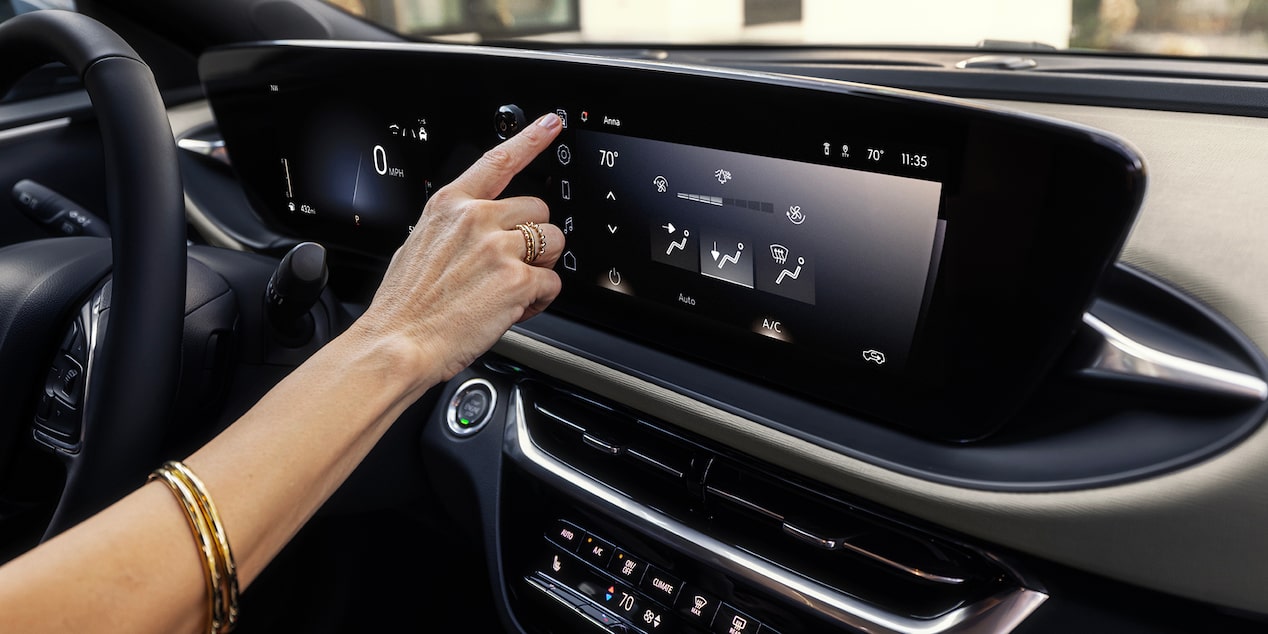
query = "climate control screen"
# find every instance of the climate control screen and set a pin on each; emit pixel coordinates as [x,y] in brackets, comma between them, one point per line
[816,255]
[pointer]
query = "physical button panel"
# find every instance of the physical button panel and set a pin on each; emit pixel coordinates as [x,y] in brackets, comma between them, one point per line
[586,569]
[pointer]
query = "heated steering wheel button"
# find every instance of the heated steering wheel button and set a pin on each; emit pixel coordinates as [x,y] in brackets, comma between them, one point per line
[66,380]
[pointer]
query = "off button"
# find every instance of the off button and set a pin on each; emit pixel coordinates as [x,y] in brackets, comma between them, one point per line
[471,407]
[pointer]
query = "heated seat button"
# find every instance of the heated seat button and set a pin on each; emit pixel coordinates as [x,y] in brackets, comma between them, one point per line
[697,607]
[596,551]
[660,585]
[732,621]
[562,568]
[566,535]
[626,567]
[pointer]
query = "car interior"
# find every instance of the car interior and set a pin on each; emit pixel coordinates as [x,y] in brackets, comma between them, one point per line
[900,339]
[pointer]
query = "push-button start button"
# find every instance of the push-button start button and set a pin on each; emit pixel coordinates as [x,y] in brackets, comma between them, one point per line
[471,407]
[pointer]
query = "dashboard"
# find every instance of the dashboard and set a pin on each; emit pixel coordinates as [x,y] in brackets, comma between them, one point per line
[829,357]
[752,222]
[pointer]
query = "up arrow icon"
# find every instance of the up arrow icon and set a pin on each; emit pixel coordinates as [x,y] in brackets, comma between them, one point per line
[610,195]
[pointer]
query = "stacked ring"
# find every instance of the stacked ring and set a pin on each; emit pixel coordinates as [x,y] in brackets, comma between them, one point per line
[534,241]
[530,250]
[541,239]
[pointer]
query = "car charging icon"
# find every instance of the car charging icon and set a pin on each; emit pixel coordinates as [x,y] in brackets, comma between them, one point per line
[874,356]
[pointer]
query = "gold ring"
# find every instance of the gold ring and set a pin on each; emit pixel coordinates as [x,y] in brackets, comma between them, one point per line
[541,239]
[530,246]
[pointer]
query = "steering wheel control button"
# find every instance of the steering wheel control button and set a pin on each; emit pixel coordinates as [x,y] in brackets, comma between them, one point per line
[596,551]
[66,379]
[565,535]
[662,586]
[471,407]
[58,419]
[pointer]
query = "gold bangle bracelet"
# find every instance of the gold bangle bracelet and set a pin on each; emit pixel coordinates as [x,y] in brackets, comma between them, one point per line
[213,543]
[228,612]
[201,535]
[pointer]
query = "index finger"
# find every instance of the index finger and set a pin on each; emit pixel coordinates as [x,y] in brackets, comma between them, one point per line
[487,177]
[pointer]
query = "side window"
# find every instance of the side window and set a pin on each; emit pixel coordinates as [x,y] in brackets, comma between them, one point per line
[50,79]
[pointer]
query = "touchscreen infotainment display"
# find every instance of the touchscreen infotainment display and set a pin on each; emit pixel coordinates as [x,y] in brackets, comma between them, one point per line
[899,257]
[828,258]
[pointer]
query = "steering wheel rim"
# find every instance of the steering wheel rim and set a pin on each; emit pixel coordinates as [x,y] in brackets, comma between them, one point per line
[136,365]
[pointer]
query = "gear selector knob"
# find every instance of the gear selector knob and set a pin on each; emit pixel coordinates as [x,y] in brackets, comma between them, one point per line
[292,290]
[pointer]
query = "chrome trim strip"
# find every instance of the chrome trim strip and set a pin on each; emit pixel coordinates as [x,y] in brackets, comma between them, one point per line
[201,147]
[1121,356]
[600,445]
[564,421]
[810,538]
[843,543]
[737,500]
[33,128]
[997,614]
[668,470]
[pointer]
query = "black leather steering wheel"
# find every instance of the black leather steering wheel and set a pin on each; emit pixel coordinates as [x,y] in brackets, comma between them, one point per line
[134,369]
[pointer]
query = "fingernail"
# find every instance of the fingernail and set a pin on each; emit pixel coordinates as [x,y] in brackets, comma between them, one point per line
[550,121]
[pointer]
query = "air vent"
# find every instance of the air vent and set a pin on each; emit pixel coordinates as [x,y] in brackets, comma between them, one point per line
[820,535]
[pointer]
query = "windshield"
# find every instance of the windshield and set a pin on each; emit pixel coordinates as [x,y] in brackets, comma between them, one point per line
[1195,28]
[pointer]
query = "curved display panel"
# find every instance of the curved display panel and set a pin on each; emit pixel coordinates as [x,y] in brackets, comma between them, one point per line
[903,258]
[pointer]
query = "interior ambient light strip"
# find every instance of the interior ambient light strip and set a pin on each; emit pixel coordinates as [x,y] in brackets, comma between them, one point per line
[999,613]
[1124,357]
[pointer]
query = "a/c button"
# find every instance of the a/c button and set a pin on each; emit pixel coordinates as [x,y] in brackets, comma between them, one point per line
[596,551]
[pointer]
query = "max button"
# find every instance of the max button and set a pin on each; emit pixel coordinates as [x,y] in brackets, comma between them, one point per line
[698,607]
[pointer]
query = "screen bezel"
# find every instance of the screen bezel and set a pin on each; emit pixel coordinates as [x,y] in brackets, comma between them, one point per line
[1035,210]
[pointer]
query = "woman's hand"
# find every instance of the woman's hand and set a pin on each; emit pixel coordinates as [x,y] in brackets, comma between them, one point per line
[461,280]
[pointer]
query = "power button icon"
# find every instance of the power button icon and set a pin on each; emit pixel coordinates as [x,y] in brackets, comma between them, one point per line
[471,407]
